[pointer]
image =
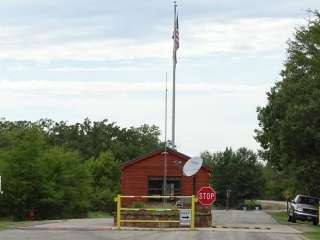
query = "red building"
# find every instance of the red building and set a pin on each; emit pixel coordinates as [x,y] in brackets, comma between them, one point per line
[144,175]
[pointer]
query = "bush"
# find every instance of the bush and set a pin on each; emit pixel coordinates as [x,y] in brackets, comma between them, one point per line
[250,205]
[103,200]
[138,205]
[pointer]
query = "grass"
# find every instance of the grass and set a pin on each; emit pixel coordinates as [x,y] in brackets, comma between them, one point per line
[280,217]
[99,214]
[312,236]
[310,232]
[9,223]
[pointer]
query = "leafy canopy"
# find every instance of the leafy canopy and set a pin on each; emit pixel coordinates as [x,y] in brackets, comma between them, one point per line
[238,171]
[289,124]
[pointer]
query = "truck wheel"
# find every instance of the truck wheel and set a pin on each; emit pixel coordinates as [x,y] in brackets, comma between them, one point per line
[315,222]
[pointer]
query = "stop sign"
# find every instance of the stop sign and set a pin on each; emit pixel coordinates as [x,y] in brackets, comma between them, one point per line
[206,196]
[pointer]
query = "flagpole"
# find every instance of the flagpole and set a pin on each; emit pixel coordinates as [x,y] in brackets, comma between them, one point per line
[174,78]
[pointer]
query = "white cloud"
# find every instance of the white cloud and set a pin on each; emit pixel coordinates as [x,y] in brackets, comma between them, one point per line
[216,115]
[95,69]
[199,37]
[96,88]
[247,35]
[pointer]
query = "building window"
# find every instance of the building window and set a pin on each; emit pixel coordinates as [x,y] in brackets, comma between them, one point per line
[173,187]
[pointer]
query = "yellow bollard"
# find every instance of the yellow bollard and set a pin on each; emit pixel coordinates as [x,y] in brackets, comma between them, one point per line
[193,212]
[319,216]
[118,210]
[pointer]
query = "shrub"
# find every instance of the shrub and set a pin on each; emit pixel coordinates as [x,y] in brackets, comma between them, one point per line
[138,205]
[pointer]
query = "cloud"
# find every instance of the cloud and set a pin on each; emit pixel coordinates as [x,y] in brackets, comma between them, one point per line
[217,115]
[246,35]
[199,37]
[96,88]
[68,60]
[95,69]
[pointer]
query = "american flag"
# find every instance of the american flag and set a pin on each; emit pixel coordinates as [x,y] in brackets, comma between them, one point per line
[175,39]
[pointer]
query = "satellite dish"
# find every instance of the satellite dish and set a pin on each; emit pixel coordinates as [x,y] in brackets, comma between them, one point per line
[192,166]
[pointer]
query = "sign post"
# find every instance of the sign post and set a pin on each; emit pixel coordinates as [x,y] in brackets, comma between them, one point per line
[193,209]
[1,192]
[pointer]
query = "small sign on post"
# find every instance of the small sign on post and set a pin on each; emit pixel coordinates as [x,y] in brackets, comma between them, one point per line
[185,217]
[206,196]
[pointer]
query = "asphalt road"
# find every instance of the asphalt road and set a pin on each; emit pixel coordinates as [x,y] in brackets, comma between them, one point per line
[235,217]
[229,225]
[137,235]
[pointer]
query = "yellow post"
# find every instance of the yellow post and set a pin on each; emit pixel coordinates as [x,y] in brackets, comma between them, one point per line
[319,215]
[193,212]
[118,210]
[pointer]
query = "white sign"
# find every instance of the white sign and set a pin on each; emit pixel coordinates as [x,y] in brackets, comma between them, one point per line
[185,217]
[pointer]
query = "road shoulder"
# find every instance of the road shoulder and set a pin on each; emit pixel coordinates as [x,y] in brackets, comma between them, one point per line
[309,231]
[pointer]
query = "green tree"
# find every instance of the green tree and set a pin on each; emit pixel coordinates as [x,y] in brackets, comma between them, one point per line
[277,185]
[238,171]
[133,142]
[51,181]
[93,138]
[20,170]
[65,189]
[105,171]
[289,124]
[58,169]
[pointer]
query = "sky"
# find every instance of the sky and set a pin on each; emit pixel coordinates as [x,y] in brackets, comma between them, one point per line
[68,60]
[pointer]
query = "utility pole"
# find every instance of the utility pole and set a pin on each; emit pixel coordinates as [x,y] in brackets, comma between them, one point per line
[228,199]
[165,142]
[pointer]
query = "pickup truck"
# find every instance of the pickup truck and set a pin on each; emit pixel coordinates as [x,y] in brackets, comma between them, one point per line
[304,208]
